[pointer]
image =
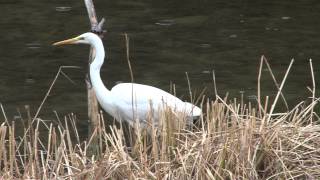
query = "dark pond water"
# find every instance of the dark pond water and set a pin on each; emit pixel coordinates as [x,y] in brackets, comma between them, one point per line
[167,39]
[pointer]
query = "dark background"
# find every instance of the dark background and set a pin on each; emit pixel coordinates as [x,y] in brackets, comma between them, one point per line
[167,39]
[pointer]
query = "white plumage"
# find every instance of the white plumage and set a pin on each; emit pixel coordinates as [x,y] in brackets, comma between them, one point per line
[129,101]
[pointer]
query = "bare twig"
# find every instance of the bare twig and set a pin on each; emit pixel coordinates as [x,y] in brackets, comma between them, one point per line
[259,87]
[189,87]
[279,91]
[4,114]
[67,77]
[128,55]
[51,86]
[313,89]
[275,82]
[93,110]
[132,80]
[46,96]
[214,83]
[91,13]
[100,25]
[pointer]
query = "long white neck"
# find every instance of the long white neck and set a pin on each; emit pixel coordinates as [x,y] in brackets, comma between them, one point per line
[98,49]
[101,91]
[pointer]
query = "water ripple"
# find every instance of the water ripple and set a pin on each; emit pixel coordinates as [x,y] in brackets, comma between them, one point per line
[33,45]
[166,22]
[63,8]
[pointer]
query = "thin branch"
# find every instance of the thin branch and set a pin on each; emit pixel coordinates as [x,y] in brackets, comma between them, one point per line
[67,77]
[214,84]
[101,23]
[45,98]
[131,76]
[275,82]
[4,114]
[313,89]
[50,88]
[91,13]
[96,27]
[128,55]
[279,91]
[259,87]
[189,87]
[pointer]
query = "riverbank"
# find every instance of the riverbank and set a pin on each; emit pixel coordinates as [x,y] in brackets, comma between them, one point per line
[231,141]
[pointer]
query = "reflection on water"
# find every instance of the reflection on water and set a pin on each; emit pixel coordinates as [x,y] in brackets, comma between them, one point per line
[33,45]
[166,22]
[167,39]
[63,8]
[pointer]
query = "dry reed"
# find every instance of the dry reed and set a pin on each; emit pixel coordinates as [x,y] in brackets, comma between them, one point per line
[231,140]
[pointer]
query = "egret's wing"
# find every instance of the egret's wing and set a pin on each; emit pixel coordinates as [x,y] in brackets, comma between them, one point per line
[138,99]
[142,94]
[135,100]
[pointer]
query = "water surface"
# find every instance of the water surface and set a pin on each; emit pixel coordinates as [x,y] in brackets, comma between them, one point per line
[167,39]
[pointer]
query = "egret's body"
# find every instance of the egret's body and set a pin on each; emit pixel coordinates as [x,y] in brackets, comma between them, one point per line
[129,101]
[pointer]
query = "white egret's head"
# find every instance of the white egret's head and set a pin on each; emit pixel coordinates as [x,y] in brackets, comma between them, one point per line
[86,38]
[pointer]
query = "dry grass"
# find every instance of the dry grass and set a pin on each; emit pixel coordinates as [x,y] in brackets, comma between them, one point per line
[231,140]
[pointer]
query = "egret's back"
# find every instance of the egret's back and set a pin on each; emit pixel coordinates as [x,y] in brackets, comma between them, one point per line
[134,101]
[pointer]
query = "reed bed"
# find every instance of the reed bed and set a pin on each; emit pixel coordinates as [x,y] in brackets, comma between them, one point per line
[229,142]
[232,140]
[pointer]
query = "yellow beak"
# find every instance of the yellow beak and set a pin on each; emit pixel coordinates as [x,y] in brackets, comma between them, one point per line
[68,41]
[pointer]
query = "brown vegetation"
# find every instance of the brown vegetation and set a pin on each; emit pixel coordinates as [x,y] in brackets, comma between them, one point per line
[231,140]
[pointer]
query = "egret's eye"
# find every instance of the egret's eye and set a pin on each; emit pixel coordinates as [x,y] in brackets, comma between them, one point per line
[81,38]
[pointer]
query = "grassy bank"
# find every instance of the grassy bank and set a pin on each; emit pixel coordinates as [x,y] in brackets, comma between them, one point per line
[232,140]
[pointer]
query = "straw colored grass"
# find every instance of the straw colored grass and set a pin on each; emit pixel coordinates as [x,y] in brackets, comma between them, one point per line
[232,140]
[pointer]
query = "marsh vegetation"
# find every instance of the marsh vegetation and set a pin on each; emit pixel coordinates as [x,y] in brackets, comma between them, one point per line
[232,140]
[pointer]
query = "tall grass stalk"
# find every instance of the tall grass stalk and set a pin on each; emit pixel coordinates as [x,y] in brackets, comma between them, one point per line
[230,143]
[231,140]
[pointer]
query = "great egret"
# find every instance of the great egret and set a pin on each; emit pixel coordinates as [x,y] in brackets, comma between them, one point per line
[129,101]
